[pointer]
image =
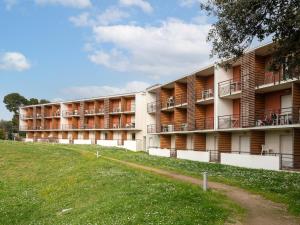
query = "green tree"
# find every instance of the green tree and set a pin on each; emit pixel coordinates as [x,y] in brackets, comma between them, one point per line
[2,136]
[13,101]
[239,22]
[32,101]
[44,101]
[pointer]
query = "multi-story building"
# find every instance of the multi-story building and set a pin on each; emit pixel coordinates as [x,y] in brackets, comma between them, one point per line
[244,115]
[109,121]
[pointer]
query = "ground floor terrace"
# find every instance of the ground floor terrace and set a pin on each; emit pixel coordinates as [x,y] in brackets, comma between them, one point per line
[131,140]
[273,149]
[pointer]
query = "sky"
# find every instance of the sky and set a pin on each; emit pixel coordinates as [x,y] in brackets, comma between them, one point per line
[70,49]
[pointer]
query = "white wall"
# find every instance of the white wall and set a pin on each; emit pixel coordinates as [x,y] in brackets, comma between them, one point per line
[193,155]
[160,152]
[251,161]
[82,142]
[221,106]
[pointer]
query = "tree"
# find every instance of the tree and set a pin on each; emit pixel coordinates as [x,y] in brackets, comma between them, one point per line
[239,22]
[13,101]
[44,101]
[32,101]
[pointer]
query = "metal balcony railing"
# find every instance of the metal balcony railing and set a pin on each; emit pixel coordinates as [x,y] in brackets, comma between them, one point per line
[131,108]
[68,113]
[168,103]
[26,116]
[181,100]
[151,128]
[52,114]
[276,78]
[151,107]
[229,121]
[69,126]
[167,127]
[116,110]
[205,123]
[205,94]
[229,87]
[278,117]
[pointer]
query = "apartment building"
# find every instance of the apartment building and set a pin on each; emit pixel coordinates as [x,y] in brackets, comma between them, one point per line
[242,116]
[109,121]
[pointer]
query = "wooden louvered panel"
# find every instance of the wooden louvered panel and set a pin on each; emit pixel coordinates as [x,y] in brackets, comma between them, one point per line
[180,141]
[296,146]
[257,139]
[248,90]
[224,142]
[296,102]
[180,117]
[158,111]
[191,102]
[106,113]
[165,141]
[81,114]
[42,116]
[199,142]
[34,117]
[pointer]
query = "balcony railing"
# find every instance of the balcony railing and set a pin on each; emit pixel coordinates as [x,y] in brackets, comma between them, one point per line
[168,103]
[151,129]
[69,113]
[131,108]
[229,121]
[276,78]
[205,123]
[167,127]
[229,87]
[52,114]
[116,110]
[26,116]
[205,94]
[26,128]
[278,117]
[151,107]
[181,100]
[181,127]
[69,126]
[122,126]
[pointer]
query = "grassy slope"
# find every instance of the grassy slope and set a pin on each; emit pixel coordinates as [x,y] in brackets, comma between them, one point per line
[37,181]
[278,186]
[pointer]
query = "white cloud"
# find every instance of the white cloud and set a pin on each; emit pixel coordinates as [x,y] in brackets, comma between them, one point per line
[9,4]
[14,61]
[109,16]
[94,91]
[190,3]
[69,3]
[174,47]
[142,4]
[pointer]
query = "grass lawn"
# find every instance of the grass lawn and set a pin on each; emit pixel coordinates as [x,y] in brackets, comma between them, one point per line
[38,181]
[278,186]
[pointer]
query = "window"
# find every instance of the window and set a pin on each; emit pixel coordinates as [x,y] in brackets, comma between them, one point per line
[133,136]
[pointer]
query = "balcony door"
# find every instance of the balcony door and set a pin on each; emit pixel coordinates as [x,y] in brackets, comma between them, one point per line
[286,103]
[286,149]
[244,144]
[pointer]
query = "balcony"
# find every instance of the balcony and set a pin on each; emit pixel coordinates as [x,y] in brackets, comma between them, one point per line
[278,117]
[120,126]
[25,128]
[230,89]
[229,121]
[116,110]
[167,127]
[182,127]
[130,109]
[275,81]
[206,123]
[151,107]
[151,129]
[69,113]
[69,127]
[168,104]
[52,114]
[181,101]
[26,116]
[205,97]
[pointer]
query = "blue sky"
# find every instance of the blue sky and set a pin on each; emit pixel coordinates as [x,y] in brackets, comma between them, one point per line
[68,49]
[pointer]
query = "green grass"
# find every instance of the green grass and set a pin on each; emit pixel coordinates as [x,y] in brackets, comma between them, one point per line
[281,187]
[38,181]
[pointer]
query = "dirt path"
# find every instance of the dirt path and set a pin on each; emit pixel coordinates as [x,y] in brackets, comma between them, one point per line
[259,211]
